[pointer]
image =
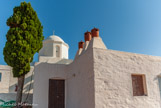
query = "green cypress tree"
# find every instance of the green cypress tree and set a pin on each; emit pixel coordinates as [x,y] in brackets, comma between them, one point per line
[24,39]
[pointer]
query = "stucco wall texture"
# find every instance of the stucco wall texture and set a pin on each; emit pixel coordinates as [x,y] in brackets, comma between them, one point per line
[5,78]
[113,82]
[79,81]
[8,82]
[44,72]
[80,88]
[100,78]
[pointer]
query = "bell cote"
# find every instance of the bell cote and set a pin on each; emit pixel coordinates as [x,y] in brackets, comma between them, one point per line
[53,47]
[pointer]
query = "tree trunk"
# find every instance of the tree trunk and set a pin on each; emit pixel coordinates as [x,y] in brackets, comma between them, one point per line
[20,91]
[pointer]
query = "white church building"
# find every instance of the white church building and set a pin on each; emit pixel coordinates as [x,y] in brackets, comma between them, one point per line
[97,78]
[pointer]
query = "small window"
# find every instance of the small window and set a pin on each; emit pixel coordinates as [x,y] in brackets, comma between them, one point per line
[57,51]
[139,85]
[0,76]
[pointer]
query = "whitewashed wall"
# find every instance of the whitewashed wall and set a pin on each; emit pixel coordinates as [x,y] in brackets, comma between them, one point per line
[79,81]
[28,81]
[44,72]
[80,88]
[5,78]
[65,51]
[47,49]
[113,83]
[8,82]
[101,78]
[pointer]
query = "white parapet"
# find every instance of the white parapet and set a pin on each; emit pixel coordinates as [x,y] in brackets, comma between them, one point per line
[97,42]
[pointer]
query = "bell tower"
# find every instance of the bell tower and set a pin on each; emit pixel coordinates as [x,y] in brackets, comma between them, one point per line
[53,50]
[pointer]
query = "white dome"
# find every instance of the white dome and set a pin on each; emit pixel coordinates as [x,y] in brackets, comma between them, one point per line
[53,47]
[54,38]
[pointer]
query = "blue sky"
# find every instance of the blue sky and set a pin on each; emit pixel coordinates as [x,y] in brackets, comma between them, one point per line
[125,25]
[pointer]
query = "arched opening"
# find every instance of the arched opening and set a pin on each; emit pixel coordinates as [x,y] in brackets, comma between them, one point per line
[57,51]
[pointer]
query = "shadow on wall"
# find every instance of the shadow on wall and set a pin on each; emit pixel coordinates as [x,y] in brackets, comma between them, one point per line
[159,82]
[28,84]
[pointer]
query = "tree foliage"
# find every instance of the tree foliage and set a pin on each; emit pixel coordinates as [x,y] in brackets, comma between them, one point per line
[24,39]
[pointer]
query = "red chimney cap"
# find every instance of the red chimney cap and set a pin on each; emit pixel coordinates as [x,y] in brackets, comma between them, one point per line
[95,32]
[80,44]
[95,29]
[87,36]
